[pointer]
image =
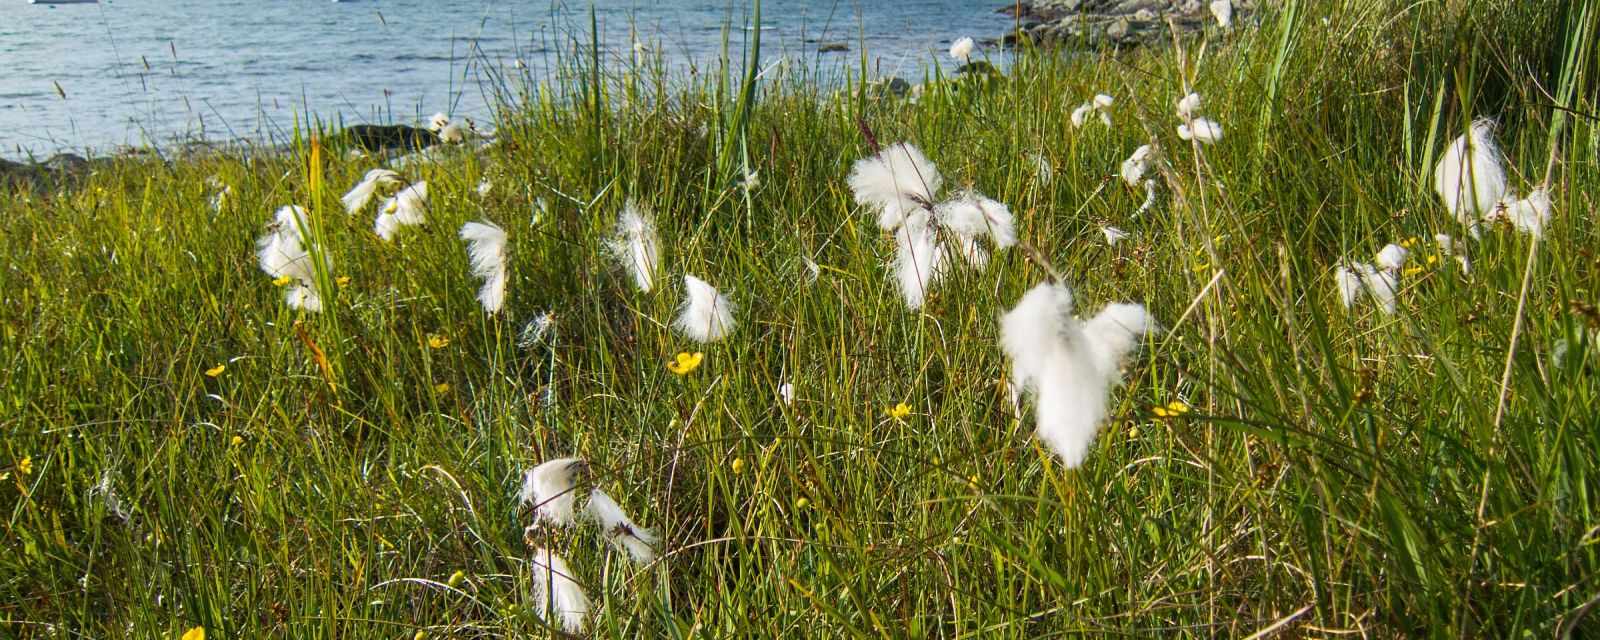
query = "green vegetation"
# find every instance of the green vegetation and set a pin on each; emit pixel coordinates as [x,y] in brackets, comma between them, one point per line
[1340,472]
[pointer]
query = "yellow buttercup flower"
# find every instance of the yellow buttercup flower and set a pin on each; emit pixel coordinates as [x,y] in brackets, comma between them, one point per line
[280,281]
[436,341]
[1411,271]
[216,371]
[25,465]
[738,466]
[1171,410]
[236,442]
[685,363]
[1433,259]
[802,503]
[1409,242]
[443,387]
[457,577]
[900,411]
[197,633]
[342,280]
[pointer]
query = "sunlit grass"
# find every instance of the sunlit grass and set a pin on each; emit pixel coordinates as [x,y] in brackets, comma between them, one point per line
[1271,458]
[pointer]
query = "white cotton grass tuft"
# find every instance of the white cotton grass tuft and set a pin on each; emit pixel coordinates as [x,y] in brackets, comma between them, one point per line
[1080,115]
[539,330]
[636,244]
[622,531]
[1392,257]
[1149,198]
[1382,282]
[486,246]
[706,315]
[962,49]
[785,393]
[1529,215]
[1222,10]
[1348,281]
[1189,106]
[437,122]
[1100,104]
[896,182]
[972,215]
[406,208]
[919,260]
[1069,366]
[1201,129]
[551,488]
[359,196]
[1449,247]
[282,253]
[1113,235]
[556,594]
[1134,168]
[1471,176]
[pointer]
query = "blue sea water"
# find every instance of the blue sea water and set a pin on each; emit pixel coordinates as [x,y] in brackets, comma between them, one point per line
[91,77]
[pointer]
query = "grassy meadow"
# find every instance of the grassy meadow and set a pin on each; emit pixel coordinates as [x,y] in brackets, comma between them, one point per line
[353,473]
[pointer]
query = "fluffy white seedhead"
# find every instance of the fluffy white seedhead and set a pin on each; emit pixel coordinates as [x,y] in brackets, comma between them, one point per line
[407,208]
[962,49]
[706,315]
[486,247]
[639,542]
[358,197]
[1080,115]
[437,122]
[636,245]
[282,253]
[557,597]
[1348,280]
[1202,129]
[786,393]
[1392,257]
[1102,104]
[973,215]
[1470,176]
[1382,284]
[1069,366]
[1134,168]
[551,488]
[1529,215]
[919,260]
[1189,107]
[1149,198]
[1113,235]
[1448,246]
[454,133]
[897,182]
[1222,10]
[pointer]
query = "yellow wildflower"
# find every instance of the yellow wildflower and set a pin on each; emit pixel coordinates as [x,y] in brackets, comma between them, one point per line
[1433,260]
[1409,242]
[900,411]
[25,465]
[1411,271]
[802,503]
[342,280]
[197,633]
[216,371]
[236,441]
[1171,410]
[738,466]
[436,341]
[420,635]
[280,281]
[1202,267]
[457,577]
[443,387]
[685,363]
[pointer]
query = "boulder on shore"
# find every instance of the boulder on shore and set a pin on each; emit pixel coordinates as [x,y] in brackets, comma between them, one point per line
[1096,24]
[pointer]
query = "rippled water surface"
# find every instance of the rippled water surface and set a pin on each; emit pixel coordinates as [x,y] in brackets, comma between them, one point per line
[142,71]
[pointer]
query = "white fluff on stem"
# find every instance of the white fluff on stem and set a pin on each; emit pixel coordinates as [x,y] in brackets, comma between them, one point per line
[1222,10]
[639,542]
[549,489]
[1448,246]
[962,49]
[1102,104]
[706,315]
[1080,115]
[1529,215]
[406,208]
[1392,257]
[972,215]
[636,245]
[1069,366]
[486,246]
[1206,131]
[556,594]
[1382,284]
[282,253]
[918,261]
[1470,176]
[1113,235]
[1149,198]
[1189,106]
[898,181]
[1348,281]
[1136,165]
[358,197]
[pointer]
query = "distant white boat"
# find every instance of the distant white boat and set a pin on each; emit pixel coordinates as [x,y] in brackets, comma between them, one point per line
[63,1]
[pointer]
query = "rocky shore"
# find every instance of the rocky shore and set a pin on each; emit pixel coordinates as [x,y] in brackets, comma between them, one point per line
[1096,24]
